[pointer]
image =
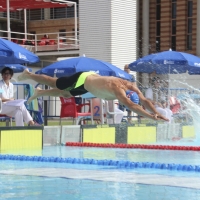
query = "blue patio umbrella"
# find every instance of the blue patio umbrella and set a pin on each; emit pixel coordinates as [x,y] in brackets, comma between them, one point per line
[70,66]
[17,68]
[11,53]
[167,62]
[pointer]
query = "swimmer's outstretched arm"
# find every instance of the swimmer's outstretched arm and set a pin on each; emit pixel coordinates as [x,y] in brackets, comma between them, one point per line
[144,101]
[138,109]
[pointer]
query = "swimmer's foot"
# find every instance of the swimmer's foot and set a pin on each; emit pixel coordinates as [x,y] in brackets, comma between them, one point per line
[35,95]
[23,75]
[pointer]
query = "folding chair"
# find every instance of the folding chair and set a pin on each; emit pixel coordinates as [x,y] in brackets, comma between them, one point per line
[69,108]
[7,119]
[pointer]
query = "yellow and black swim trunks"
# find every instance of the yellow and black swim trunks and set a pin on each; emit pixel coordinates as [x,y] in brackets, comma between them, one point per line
[74,84]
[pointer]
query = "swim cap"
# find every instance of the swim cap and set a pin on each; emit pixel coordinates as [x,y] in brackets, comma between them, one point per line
[132,96]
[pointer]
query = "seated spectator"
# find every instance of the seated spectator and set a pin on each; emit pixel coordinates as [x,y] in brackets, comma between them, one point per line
[29,42]
[52,42]
[15,41]
[154,94]
[20,113]
[46,39]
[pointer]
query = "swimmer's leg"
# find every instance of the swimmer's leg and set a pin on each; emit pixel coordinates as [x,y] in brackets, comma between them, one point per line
[40,78]
[51,92]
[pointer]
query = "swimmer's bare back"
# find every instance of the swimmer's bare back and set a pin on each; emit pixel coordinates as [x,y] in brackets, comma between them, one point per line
[104,87]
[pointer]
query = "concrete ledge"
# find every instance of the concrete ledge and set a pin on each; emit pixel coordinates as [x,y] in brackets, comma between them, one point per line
[51,135]
[70,134]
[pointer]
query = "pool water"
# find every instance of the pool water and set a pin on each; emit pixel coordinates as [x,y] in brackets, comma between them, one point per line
[49,180]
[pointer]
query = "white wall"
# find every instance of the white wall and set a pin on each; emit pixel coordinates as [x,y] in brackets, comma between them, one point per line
[95,29]
[108,30]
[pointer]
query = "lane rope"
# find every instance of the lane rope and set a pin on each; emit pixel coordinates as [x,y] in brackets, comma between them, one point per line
[134,146]
[115,163]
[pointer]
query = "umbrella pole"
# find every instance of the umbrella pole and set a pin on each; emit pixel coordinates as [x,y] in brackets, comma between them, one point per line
[75,23]
[8,18]
[25,24]
[168,90]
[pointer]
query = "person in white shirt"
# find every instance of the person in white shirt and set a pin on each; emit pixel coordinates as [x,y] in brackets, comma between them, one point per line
[20,113]
[153,93]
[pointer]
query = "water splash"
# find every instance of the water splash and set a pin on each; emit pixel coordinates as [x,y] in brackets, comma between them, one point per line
[191,107]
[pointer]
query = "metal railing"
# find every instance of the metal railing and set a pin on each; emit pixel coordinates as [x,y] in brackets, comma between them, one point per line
[57,41]
[41,14]
[17,15]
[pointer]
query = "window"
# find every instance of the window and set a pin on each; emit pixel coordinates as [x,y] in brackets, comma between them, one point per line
[157,44]
[70,12]
[190,5]
[35,14]
[158,28]
[158,12]
[173,43]
[173,10]
[173,26]
[59,13]
[158,25]
[189,42]
[189,24]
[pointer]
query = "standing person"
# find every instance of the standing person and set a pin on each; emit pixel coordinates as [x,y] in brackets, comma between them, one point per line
[20,113]
[104,87]
[127,70]
[157,98]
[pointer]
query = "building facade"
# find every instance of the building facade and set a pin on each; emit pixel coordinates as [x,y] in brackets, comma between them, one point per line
[157,25]
[122,32]
[170,24]
[173,24]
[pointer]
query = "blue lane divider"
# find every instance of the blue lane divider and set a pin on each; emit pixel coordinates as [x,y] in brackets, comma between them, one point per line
[119,164]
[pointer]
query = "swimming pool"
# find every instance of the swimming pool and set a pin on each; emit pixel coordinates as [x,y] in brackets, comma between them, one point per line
[52,180]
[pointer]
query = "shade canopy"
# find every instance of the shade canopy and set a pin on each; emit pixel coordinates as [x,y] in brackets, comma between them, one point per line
[11,53]
[17,68]
[167,62]
[31,4]
[83,64]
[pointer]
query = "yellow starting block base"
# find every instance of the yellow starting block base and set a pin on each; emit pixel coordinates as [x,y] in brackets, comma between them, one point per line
[18,138]
[134,134]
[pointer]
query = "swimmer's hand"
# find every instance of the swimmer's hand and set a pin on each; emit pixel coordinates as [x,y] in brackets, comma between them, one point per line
[158,116]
